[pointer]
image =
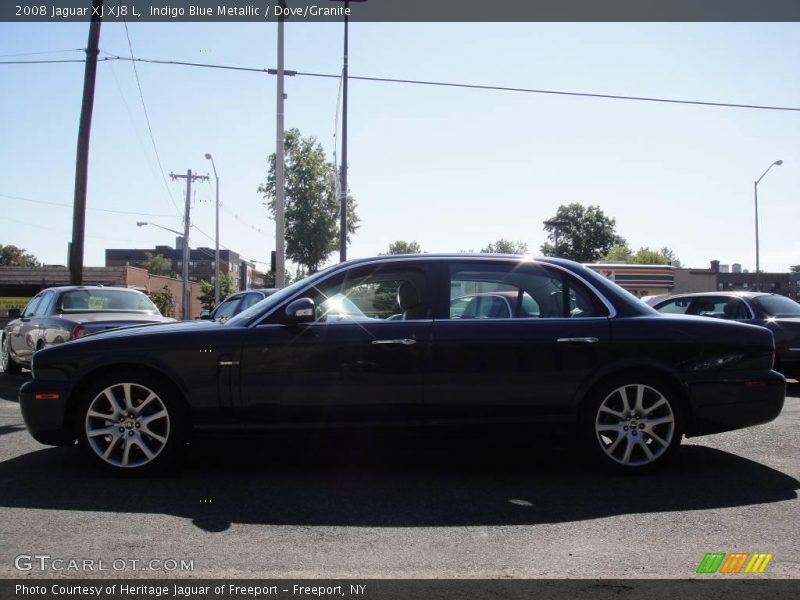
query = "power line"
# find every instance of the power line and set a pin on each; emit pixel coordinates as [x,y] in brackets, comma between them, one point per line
[498,88]
[42,52]
[147,118]
[239,220]
[226,248]
[48,62]
[105,210]
[472,86]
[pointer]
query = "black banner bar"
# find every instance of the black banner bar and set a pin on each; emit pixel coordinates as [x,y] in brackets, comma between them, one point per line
[733,587]
[59,11]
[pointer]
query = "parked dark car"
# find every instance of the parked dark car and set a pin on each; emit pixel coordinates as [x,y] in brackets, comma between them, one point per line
[631,381]
[59,314]
[236,303]
[779,314]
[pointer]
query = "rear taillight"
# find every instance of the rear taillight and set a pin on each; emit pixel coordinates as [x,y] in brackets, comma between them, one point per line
[78,331]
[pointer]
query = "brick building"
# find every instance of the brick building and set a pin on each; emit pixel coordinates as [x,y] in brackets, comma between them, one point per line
[201,261]
[20,284]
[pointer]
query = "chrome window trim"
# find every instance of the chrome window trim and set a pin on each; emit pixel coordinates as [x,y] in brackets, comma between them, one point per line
[612,312]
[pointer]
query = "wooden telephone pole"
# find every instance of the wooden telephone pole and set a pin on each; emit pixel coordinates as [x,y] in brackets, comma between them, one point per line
[82,159]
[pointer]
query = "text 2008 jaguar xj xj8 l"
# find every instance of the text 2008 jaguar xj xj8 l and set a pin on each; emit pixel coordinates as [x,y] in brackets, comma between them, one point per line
[372,342]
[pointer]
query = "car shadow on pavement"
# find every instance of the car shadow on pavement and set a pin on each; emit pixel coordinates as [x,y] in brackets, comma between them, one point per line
[390,480]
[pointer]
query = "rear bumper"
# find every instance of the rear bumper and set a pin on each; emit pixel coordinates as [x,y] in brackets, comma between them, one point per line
[725,405]
[45,415]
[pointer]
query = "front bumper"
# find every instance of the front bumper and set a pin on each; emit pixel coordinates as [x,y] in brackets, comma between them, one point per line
[728,404]
[44,410]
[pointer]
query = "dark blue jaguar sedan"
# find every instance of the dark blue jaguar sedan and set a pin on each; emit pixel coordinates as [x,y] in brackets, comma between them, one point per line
[373,342]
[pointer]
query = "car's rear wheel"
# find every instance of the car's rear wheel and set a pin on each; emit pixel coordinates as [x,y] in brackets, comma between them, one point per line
[633,423]
[7,364]
[131,424]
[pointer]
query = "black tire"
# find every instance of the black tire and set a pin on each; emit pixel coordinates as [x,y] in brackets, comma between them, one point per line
[632,423]
[142,431]
[7,364]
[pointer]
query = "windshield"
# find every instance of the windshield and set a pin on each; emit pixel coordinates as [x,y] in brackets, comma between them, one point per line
[267,304]
[778,306]
[100,300]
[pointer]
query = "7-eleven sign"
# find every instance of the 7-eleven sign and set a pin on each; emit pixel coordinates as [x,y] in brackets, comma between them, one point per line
[608,274]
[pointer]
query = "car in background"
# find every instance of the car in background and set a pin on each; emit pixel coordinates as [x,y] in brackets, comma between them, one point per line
[59,314]
[779,314]
[236,303]
[654,299]
[330,351]
[493,305]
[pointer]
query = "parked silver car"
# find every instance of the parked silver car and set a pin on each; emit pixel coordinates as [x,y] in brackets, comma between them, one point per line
[59,314]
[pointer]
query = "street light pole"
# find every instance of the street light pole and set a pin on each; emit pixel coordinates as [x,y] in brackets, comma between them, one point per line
[755,203]
[343,190]
[216,237]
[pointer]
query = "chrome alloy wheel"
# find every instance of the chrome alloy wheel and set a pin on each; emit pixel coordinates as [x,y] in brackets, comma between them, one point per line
[635,425]
[4,354]
[127,425]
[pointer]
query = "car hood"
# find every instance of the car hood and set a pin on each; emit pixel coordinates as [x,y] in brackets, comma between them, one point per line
[150,329]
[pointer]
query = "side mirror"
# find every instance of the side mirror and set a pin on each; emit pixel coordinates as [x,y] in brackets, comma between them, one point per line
[299,311]
[205,314]
[13,313]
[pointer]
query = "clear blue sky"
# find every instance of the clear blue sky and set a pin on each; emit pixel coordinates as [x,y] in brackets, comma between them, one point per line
[453,169]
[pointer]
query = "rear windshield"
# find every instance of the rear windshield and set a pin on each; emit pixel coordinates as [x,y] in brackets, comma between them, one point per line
[778,306]
[76,301]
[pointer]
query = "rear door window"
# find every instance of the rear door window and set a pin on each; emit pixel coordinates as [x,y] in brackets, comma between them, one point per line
[503,291]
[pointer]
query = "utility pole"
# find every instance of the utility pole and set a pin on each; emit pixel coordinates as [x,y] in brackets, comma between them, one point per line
[186,313]
[343,191]
[280,173]
[82,158]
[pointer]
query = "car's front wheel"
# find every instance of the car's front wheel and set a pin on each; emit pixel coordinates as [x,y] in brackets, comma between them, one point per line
[633,423]
[7,364]
[131,424]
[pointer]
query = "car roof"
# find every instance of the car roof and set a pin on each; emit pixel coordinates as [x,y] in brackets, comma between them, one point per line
[72,288]
[724,294]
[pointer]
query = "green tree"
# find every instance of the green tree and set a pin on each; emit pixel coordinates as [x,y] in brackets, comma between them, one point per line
[795,268]
[165,301]
[206,296]
[11,256]
[503,246]
[157,264]
[618,254]
[643,256]
[312,205]
[670,256]
[403,247]
[584,233]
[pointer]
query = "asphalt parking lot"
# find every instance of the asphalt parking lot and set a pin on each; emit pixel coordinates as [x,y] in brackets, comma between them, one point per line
[402,504]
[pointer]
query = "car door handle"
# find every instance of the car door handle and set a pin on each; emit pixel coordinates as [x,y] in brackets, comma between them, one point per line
[403,342]
[578,340]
